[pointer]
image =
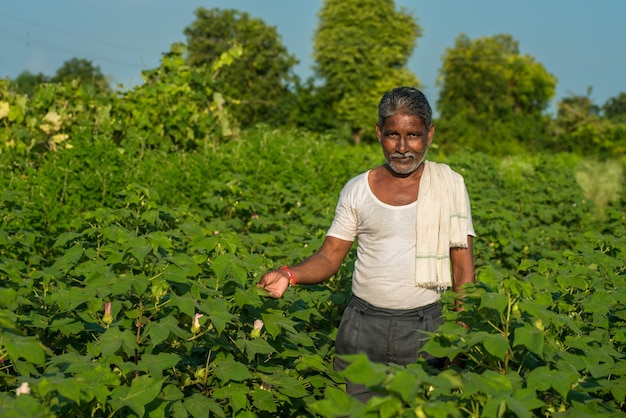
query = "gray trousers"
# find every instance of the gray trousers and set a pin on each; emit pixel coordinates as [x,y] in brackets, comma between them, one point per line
[385,336]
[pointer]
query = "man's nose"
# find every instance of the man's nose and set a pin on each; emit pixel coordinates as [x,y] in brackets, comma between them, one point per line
[402,145]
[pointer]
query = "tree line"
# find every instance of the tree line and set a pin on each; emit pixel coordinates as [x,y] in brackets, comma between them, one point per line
[492,98]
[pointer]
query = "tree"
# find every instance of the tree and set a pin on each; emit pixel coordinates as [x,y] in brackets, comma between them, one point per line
[361,49]
[488,88]
[82,70]
[490,76]
[579,128]
[615,108]
[312,107]
[256,85]
[26,82]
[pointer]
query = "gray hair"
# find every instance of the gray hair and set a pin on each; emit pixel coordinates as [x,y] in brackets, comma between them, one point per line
[407,101]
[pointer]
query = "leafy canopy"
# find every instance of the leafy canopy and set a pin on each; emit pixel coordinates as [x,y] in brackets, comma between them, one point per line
[260,78]
[493,98]
[490,76]
[82,70]
[615,108]
[361,49]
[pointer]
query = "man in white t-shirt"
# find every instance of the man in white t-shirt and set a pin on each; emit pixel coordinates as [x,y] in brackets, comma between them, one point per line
[413,222]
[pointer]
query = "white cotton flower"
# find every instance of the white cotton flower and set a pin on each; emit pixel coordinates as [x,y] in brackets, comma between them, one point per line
[4,109]
[24,389]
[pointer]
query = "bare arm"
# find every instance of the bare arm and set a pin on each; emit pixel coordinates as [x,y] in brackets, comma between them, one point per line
[462,272]
[314,269]
[462,265]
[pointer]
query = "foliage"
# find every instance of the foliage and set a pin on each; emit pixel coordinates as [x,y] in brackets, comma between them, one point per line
[361,49]
[489,88]
[27,82]
[259,81]
[604,189]
[490,76]
[579,128]
[129,258]
[615,108]
[176,107]
[547,341]
[55,116]
[82,70]
[312,109]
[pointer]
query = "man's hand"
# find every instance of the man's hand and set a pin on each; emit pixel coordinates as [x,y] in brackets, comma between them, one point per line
[275,282]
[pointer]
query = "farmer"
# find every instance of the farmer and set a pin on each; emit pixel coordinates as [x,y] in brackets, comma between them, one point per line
[412,220]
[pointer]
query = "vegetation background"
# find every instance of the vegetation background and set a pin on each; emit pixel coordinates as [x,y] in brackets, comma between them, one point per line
[134,225]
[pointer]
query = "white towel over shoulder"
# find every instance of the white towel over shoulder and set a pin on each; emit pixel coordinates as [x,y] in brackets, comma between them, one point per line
[442,216]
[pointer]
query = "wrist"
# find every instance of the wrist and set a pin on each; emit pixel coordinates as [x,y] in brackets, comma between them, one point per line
[290,275]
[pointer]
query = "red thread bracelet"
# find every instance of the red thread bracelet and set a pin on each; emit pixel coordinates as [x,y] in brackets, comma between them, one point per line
[292,277]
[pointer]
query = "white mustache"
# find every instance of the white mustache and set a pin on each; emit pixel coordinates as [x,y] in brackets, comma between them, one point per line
[405,155]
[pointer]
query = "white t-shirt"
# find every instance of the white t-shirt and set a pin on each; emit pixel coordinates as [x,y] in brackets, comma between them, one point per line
[384,271]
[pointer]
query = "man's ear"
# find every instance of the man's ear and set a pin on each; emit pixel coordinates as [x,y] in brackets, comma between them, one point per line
[379,132]
[431,134]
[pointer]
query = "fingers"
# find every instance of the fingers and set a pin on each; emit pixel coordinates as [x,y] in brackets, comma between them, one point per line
[273,283]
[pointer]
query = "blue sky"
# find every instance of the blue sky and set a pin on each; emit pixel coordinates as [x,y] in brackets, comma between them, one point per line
[582,43]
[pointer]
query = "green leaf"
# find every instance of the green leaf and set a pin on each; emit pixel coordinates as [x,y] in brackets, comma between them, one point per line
[142,391]
[171,393]
[160,331]
[229,265]
[23,406]
[96,382]
[337,403]
[562,381]
[489,382]
[201,407]
[140,248]
[263,400]
[493,300]
[276,321]
[217,311]
[447,379]
[600,302]
[362,371]
[66,387]
[185,303]
[289,386]
[312,362]
[248,296]
[530,337]
[227,370]
[257,346]
[8,298]
[156,364]
[185,264]
[69,259]
[27,348]
[618,388]
[139,282]
[237,396]
[69,299]
[113,339]
[404,384]
[259,291]
[542,378]
[496,345]
[67,326]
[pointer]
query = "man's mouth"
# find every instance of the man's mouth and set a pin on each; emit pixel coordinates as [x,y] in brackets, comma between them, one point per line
[403,157]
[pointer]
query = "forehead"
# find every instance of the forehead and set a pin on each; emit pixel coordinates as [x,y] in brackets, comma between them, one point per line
[403,122]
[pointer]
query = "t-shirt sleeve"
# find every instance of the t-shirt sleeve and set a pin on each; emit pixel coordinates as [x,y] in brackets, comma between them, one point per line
[344,225]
